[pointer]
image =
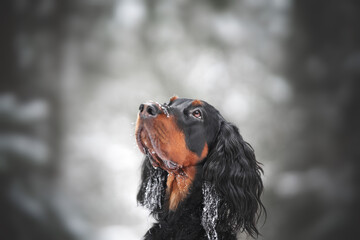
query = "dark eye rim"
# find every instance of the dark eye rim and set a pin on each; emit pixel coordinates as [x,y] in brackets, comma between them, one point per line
[197,112]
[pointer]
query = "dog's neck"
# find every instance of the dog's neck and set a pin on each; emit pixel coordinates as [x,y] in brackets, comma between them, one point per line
[178,185]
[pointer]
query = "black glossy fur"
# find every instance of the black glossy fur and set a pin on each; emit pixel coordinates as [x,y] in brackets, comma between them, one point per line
[230,169]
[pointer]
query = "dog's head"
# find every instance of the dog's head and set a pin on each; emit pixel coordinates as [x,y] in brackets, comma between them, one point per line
[176,135]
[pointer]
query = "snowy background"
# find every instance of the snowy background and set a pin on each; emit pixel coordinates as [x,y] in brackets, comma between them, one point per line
[74,73]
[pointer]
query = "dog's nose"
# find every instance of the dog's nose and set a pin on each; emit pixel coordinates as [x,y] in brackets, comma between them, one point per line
[148,110]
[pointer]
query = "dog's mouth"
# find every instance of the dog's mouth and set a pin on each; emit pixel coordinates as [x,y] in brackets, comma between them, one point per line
[147,146]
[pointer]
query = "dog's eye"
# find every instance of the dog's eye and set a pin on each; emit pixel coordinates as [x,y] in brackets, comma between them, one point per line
[197,114]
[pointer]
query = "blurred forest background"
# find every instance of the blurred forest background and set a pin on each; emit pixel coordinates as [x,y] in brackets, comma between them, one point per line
[73,73]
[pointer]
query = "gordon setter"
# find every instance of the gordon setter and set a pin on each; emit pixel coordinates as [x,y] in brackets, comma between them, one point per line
[200,179]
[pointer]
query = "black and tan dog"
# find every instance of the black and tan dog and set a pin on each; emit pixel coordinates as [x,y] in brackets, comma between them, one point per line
[200,179]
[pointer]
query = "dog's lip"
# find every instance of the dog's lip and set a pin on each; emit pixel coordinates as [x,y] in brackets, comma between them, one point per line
[154,157]
[140,144]
[143,146]
[170,164]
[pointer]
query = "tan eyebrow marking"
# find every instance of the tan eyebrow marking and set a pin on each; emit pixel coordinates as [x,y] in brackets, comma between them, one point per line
[196,103]
[173,98]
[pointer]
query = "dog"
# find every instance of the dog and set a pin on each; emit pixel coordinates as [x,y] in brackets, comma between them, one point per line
[199,179]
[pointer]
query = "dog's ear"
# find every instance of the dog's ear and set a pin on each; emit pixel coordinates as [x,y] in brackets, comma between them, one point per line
[152,187]
[235,177]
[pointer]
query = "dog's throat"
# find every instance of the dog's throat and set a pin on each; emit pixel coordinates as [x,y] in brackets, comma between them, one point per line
[178,186]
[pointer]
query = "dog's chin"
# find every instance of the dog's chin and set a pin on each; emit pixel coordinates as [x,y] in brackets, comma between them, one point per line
[145,145]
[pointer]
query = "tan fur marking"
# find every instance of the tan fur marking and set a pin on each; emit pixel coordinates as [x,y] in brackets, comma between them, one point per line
[171,145]
[196,103]
[173,98]
[178,186]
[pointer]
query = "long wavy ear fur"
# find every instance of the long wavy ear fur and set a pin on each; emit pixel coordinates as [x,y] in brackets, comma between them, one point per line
[233,171]
[152,188]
